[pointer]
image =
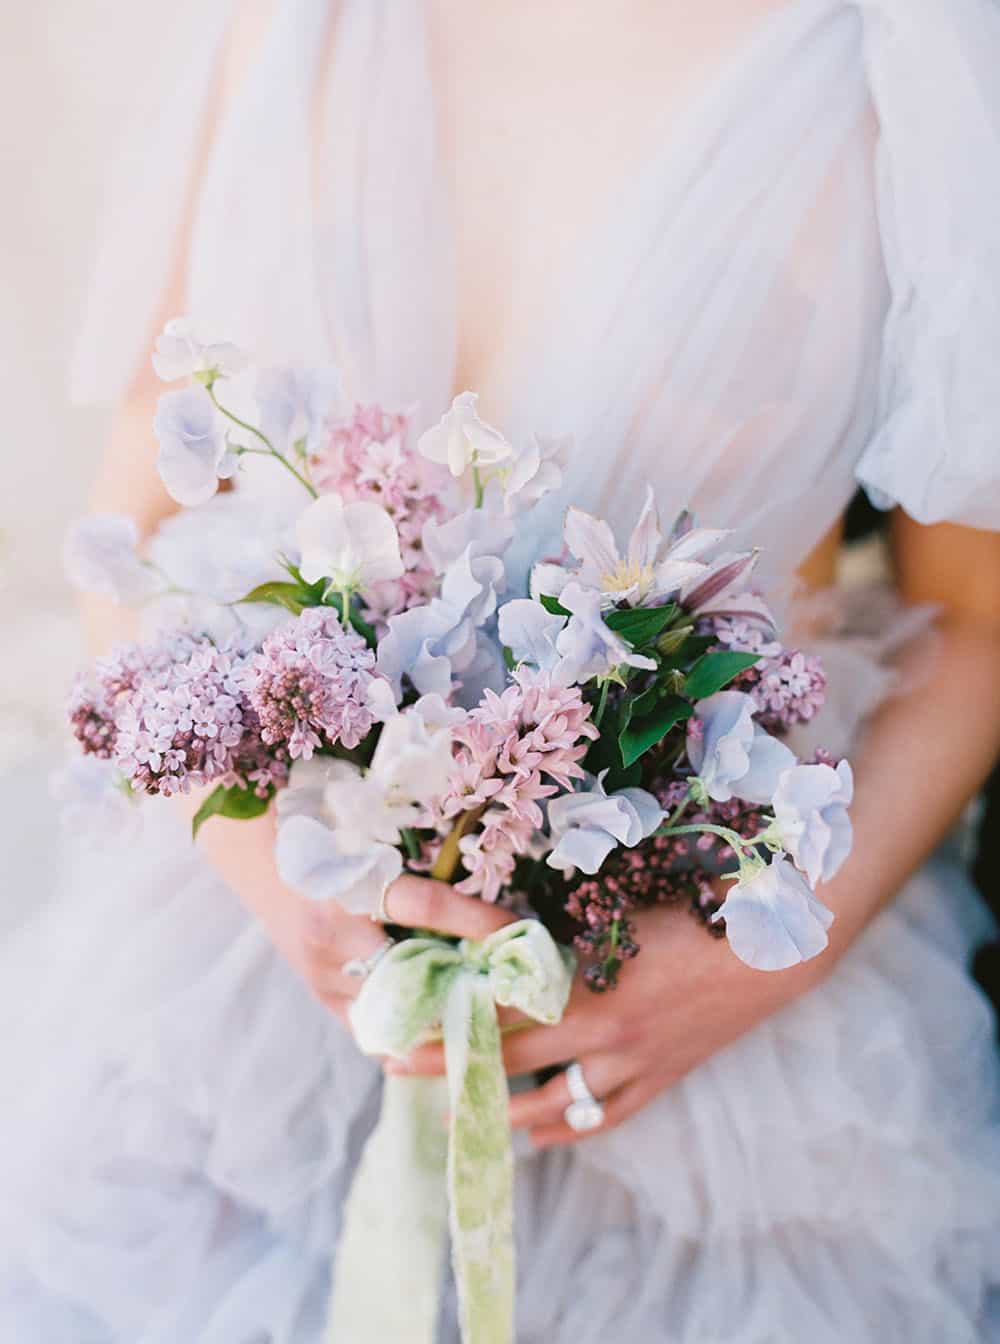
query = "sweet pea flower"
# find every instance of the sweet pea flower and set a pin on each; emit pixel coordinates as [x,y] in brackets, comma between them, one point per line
[646,574]
[586,826]
[324,864]
[586,645]
[430,644]
[474,532]
[193,454]
[811,820]
[461,441]
[353,545]
[535,471]
[732,756]
[773,920]
[180,353]
[296,404]
[530,632]
[93,803]
[99,556]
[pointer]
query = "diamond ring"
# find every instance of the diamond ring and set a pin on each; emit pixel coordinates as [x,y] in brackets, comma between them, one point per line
[360,968]
[584,1112]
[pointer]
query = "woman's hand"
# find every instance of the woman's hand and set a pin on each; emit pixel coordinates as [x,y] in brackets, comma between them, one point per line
[683,998]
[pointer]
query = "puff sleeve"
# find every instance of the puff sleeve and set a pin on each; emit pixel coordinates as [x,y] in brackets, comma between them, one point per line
[934,73]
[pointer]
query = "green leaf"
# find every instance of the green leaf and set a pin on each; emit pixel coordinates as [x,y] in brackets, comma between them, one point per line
[640,625]
[508,659]
[645,732]
[239,804]
[294,597]
[553,605]
[713,671]
[366,631]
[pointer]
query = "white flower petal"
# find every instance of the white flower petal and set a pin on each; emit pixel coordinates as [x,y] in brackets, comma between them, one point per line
[310,860]
[192,446]
[100,556]
[593,543]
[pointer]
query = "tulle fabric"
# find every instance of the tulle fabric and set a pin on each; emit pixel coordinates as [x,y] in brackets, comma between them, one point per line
[181,1118]
[177,1169]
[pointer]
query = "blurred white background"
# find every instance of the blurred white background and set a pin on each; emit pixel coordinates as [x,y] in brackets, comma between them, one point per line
[69,72]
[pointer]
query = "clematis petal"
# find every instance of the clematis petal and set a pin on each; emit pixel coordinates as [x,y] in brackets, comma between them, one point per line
[593,543]
[644,543]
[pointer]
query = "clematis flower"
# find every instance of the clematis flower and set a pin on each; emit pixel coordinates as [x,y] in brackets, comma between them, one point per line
[586,826]
[193,454]
[773,919]
[353,545]
[586,645]
[810,811]
[297,404]
[731,754]
[721,591]
[99,556]
[461,441]
[180,353]
[647,574]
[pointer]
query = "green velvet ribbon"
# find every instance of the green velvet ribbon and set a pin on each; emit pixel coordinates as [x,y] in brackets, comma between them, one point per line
[389,1261]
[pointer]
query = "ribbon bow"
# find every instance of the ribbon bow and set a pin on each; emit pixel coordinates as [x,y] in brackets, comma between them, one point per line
[389,1259]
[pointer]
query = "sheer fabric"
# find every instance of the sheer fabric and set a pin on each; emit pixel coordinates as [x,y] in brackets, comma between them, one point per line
[798,289]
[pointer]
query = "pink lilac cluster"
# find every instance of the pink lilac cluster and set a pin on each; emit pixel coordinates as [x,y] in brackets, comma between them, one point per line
[172,715]
[370,458]
[788,686]
[308,685]
[514,750]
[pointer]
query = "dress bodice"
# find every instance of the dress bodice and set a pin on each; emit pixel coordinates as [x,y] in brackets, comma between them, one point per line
[797,289]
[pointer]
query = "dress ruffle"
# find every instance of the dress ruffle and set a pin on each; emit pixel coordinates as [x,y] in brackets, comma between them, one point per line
[177,1169]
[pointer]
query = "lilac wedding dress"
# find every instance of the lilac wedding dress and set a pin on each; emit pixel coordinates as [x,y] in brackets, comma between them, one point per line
[799,289]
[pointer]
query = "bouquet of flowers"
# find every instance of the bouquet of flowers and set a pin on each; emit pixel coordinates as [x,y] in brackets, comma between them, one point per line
[611,741]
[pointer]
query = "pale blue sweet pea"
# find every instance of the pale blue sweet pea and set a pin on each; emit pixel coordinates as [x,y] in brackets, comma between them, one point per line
[587,825]
[100,555]
[315,861]
[586,645]
[773,919]
[94,804]
[530,632]
[432,643]
[477,533]
[193,454]
[296,404]
[732,756]
[810,811]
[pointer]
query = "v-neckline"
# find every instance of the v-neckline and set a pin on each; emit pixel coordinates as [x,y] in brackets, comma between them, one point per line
[705,113]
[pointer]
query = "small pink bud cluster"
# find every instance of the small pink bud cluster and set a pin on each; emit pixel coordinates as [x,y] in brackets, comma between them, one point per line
[369,457]
[515,750]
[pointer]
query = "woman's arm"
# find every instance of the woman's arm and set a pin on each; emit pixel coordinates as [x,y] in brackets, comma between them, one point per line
[925,754]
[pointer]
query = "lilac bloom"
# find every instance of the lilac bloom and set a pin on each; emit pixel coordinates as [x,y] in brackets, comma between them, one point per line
[586,826]
[193,451]
[810,810]
[733,756]
[773,920]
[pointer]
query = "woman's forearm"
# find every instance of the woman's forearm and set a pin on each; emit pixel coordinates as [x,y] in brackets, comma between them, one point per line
[925,755]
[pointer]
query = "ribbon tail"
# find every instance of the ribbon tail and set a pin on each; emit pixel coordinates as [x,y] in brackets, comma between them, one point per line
[480,1165]
[389,1259]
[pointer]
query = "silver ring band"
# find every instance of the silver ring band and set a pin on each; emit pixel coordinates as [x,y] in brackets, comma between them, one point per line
[380,915]
[584,1112]
[360,968]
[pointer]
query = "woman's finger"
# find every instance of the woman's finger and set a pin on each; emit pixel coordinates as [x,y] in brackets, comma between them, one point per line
[604,1075]
[422,903]
[618,1107]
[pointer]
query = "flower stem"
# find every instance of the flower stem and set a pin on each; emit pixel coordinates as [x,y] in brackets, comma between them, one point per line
[448,856]
[268,449]
[411,842]
[477,482]
[679,811]
[345,607]
[602,704]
